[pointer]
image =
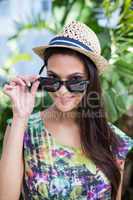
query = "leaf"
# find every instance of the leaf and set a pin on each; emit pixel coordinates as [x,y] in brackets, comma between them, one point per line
[120,97]
[124,65]
[125,75]
[120,87]
[19,57]
[115,77]
[111,111]
[105,84]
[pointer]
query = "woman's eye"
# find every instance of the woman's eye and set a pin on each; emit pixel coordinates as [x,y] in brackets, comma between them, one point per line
[77,78]
[52,76]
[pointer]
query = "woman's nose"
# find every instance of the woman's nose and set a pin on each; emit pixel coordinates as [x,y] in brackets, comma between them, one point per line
[63,90]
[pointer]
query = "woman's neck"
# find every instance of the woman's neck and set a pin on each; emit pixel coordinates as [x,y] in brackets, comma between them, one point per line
[64,117]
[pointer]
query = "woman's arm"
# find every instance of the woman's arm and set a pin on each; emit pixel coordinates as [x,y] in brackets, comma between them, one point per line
[120,187]
[11,163]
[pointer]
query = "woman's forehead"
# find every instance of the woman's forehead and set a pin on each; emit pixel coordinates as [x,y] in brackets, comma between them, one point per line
[65,64]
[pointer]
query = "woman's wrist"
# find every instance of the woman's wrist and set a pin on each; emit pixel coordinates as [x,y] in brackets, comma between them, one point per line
[20,118]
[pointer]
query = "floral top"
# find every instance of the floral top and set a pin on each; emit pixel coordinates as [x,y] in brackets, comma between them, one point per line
[60,172]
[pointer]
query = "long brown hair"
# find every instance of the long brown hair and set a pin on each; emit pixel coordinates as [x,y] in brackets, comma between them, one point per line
[97,137]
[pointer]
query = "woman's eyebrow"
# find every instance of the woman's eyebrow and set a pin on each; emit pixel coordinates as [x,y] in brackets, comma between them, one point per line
[52,73]
[70,75]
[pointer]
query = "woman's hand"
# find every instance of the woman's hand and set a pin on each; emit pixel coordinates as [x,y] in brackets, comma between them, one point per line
[23,99]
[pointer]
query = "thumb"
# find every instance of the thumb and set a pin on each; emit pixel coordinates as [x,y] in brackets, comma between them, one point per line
[34,88]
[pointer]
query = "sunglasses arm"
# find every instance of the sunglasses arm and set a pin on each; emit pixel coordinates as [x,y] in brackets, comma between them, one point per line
[42,68]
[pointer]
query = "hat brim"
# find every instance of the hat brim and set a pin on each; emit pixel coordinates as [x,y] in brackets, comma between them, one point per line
[100,62]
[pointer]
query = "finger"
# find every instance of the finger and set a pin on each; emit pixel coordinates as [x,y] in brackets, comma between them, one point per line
[12,83]
[6,86]
[17,80]
[29,79]
[34,87]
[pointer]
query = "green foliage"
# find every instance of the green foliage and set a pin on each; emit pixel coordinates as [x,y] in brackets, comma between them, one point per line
[121,59]
[111,6]
[5,111]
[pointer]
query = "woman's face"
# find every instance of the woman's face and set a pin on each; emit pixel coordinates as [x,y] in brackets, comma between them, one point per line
[66,67]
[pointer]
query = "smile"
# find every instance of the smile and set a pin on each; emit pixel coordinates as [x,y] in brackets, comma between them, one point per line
[65,100]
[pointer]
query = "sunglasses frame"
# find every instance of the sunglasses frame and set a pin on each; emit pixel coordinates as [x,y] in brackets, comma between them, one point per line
[61,82]
[66,83]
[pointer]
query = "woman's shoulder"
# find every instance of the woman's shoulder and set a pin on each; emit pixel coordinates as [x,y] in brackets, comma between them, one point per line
[125,142]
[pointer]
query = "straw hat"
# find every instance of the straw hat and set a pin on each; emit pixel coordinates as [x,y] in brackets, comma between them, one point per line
[81,38]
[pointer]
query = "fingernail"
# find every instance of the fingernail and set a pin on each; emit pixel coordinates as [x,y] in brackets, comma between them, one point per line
[29,84]
[9,86]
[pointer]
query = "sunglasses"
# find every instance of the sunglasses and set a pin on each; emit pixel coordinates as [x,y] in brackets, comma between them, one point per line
[52,84]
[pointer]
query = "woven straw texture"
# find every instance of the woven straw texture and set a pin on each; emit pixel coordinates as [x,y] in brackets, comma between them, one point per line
[82,33]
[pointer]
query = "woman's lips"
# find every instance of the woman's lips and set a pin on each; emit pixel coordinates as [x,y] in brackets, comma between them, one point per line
[64,99]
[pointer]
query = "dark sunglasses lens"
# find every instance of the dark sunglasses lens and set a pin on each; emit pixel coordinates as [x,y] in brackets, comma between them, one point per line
[49,84]
[77,85]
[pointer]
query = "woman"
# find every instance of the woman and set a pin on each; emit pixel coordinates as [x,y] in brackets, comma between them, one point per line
[68,151]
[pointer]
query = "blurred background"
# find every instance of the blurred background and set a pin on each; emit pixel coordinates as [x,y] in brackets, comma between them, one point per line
[28,23]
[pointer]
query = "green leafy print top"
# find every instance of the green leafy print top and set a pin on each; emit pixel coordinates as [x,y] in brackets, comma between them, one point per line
[54,171]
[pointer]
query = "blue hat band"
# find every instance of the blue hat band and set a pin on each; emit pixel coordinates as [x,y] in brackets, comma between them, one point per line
[69,42]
